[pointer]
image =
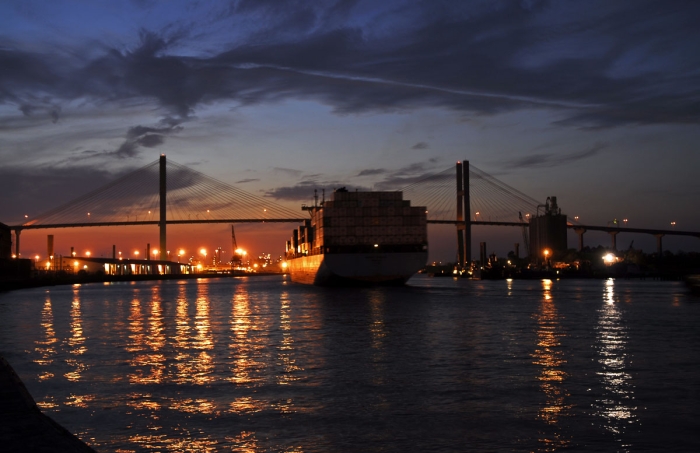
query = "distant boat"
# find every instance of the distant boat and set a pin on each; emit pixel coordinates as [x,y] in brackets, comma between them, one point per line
[359,238]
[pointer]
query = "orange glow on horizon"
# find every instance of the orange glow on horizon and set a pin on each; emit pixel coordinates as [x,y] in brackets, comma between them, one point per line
[255,238]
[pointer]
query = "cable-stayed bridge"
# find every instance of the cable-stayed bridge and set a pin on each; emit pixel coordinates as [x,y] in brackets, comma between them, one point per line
[166,193]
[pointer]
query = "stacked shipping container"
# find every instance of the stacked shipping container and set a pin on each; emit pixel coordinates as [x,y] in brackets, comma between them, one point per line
[361,218]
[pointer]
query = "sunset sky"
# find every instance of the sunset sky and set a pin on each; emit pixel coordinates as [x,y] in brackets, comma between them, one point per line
[595,102]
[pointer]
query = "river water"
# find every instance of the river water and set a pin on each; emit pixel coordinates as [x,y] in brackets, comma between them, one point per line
[261,364]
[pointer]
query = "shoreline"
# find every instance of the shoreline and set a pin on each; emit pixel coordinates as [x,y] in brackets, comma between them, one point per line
[72,280]
[23,427]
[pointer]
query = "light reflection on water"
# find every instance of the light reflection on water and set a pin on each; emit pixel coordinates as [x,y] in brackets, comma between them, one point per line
[266,366]
[616,404]
[549,356]
[46,347]
[77,340]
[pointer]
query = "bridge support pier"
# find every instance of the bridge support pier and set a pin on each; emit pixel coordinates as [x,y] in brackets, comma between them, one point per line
[613,236]
[17,232]
[579,232]
[659,245]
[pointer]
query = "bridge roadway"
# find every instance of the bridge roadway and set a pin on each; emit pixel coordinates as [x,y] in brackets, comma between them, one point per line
[579,229]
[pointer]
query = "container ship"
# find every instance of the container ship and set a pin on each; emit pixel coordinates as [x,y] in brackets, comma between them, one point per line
[358,239]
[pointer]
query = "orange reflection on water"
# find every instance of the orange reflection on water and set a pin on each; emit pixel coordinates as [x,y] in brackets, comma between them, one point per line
[77,340]
[193,367]
[49,403]
[79,400]
[550,357]
[615,404]
[245,346]
[45,348]
[285,351]
[144,401]
[193,406]
[136,335]
[246,405]
[245,442]
[182,443]
[148,363]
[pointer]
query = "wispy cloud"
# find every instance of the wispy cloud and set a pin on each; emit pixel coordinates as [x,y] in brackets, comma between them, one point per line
[554,160]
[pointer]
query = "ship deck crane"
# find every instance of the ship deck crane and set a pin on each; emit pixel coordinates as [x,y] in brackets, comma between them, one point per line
[526,239]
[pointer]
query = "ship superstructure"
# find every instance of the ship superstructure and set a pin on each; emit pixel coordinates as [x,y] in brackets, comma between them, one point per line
[359,238]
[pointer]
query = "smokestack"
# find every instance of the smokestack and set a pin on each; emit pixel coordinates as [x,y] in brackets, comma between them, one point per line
[49,245]
[148,251]
[114,252]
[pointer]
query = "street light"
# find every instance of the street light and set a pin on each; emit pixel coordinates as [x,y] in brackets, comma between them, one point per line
[155,254]
[87,254]
[179,254]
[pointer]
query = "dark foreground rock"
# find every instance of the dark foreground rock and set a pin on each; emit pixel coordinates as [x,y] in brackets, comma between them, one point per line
[23,428]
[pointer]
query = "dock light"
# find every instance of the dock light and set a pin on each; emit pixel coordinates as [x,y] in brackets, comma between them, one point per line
[284,264]
[26,216]
[609,258]
[673,224]
[136,252]
[576,218]
[36,258]
[155,253]
[87,254]
[14,256]
[376,245]
[546,253]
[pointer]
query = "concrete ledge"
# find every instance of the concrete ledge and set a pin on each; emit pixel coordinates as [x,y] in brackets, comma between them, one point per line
[23,428]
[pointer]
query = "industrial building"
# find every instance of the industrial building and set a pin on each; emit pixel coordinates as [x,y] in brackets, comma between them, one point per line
[547,232]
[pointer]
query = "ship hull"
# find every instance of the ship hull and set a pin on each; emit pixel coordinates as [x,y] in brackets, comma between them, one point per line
[356,269]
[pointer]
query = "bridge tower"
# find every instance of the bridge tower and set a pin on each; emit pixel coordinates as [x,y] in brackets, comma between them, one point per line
[464,225]
[162,221]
